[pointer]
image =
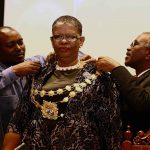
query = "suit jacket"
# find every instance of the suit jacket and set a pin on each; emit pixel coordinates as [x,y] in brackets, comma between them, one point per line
[135,98]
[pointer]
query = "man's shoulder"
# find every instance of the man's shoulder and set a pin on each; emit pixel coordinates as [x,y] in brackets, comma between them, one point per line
[38,58]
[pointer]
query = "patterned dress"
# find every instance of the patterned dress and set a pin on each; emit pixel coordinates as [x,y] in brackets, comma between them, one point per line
[91,119]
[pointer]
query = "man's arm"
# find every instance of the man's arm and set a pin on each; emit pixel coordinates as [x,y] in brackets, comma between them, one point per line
[11,74]
[137,96]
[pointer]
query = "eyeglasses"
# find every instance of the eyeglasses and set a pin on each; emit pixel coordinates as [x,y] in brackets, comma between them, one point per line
[134,43]
[69,38]
[138,43]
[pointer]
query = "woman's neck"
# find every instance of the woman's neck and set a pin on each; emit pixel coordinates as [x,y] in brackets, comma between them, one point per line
[65,63]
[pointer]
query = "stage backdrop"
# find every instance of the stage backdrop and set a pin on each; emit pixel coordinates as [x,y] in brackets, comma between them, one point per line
[108,25]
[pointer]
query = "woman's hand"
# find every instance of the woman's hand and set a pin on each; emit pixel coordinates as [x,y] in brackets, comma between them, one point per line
[11,141]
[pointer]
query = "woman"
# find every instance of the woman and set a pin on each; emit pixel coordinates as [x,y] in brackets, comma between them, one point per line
[70,106]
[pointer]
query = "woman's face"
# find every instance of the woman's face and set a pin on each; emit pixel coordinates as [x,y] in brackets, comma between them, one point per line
[66,41]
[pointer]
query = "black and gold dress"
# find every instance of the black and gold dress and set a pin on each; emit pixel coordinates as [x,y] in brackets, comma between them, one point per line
[69,110]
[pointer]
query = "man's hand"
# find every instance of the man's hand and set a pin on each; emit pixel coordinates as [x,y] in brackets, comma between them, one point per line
[26,68]
[87,58]
[51,57]
[106,64]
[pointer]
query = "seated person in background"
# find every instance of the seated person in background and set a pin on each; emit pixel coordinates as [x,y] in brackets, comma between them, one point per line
[69,105]
[135,91]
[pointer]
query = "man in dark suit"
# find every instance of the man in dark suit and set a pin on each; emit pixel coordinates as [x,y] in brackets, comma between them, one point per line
[134,91]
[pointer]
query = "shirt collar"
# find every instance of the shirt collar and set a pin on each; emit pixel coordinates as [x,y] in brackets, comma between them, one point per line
[143,72]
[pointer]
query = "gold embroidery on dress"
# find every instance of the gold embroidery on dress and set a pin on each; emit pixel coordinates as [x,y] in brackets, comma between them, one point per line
[49,109]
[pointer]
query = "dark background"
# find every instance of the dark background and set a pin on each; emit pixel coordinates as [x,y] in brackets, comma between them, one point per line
[2,12]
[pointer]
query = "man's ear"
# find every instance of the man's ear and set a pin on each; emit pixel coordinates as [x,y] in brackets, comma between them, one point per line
[148,54]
